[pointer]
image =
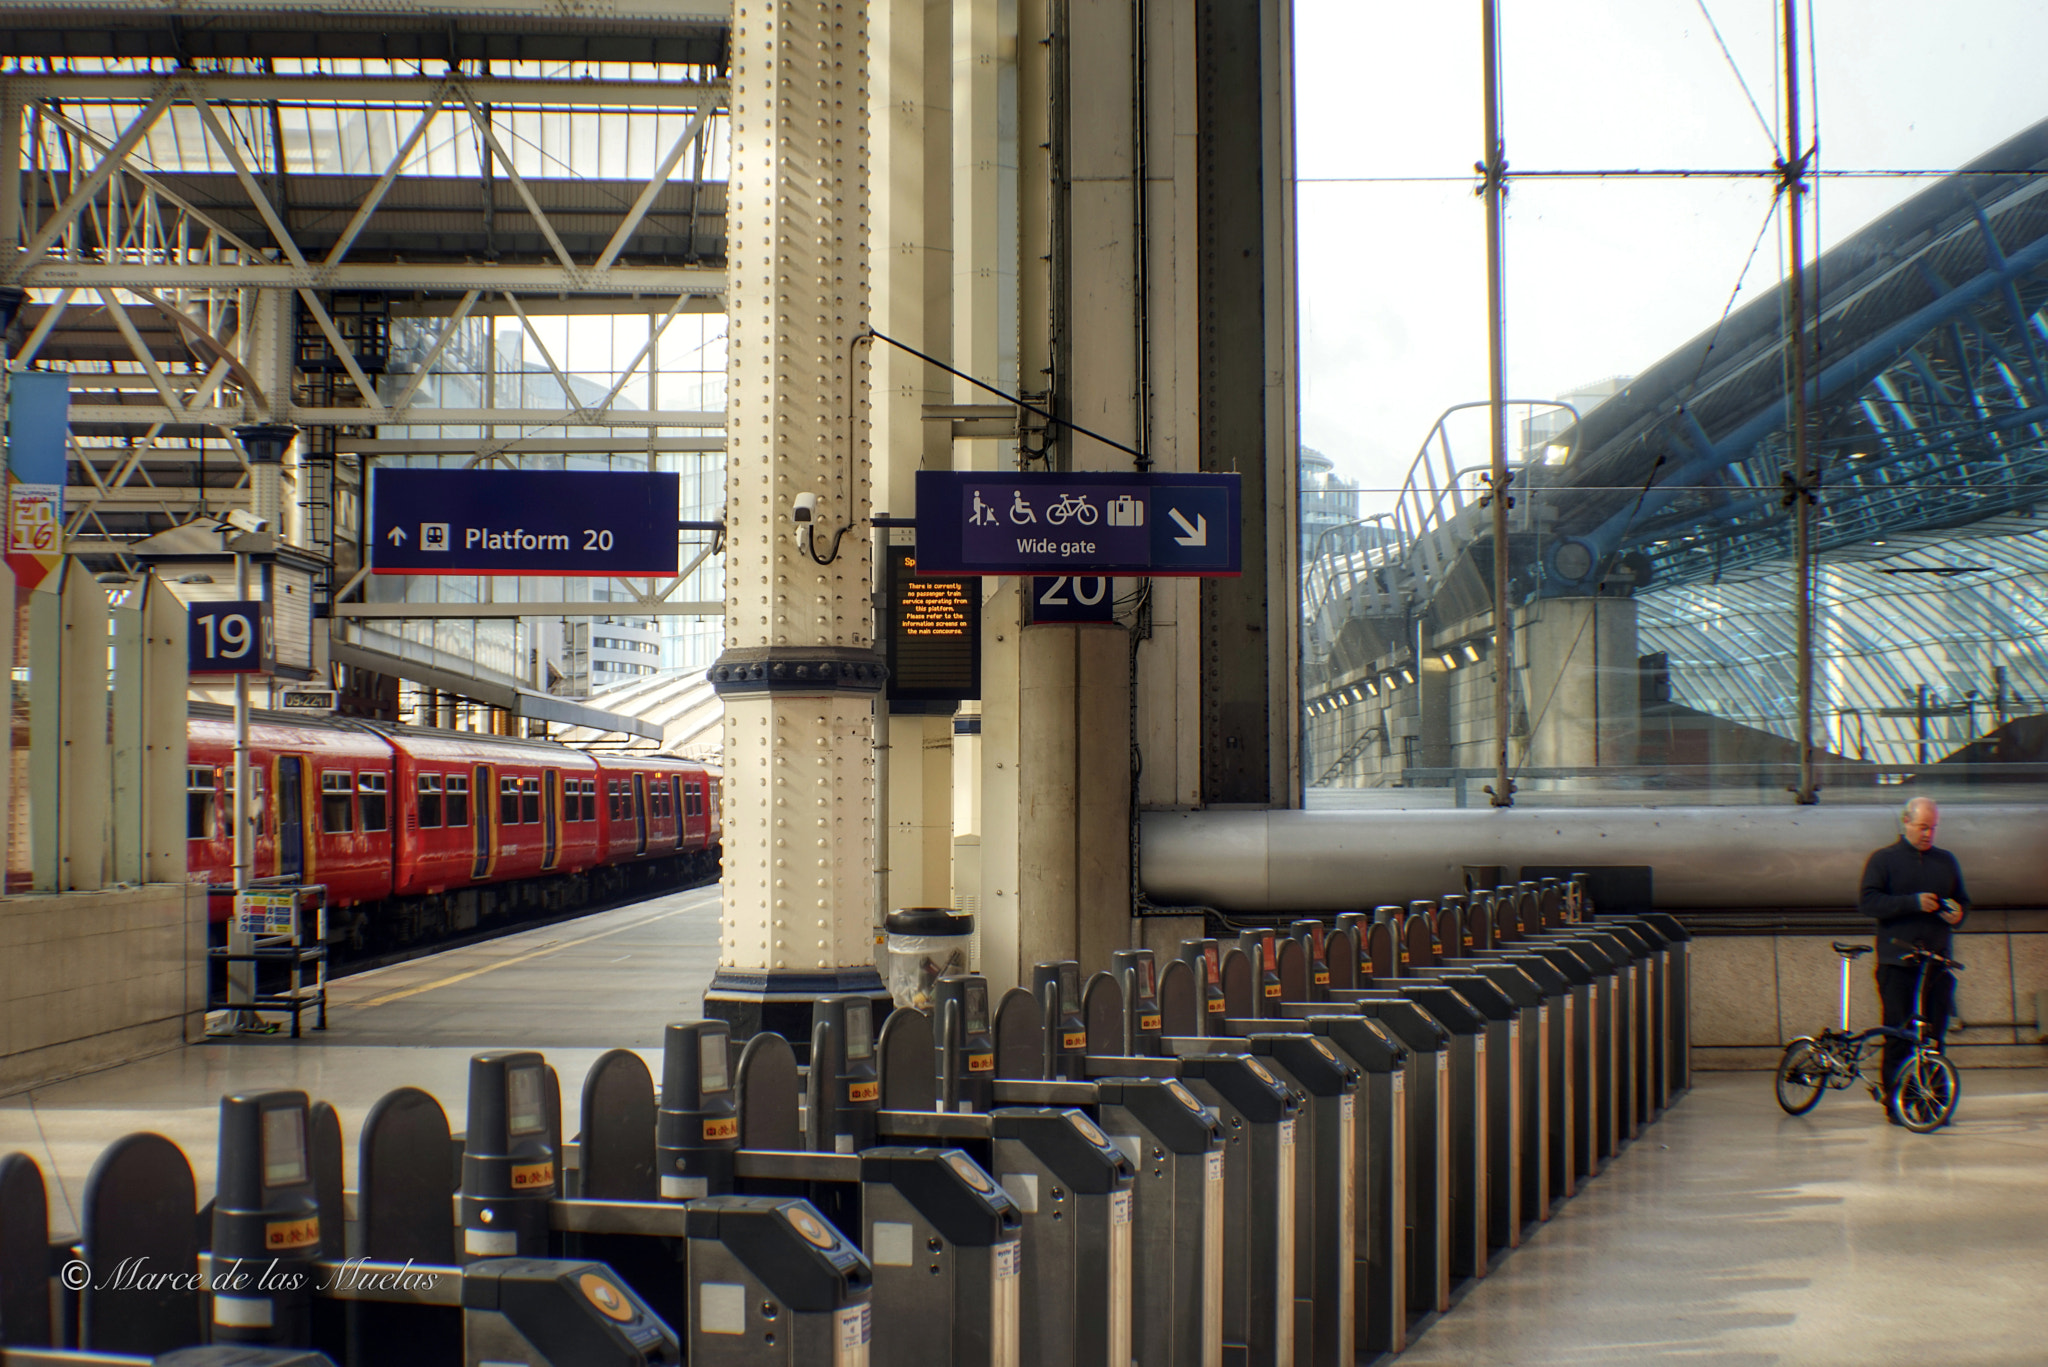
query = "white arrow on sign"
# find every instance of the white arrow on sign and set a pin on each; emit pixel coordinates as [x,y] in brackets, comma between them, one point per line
[1197,535]
[398,536]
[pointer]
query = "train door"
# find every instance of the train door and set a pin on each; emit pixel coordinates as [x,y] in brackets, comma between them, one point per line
[640,813]
[291,817]
[481,811]
[551,816]
[675,806]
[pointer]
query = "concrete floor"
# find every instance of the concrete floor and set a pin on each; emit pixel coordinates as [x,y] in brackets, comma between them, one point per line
[1729,1233]
[1732,1234]
[414,1024]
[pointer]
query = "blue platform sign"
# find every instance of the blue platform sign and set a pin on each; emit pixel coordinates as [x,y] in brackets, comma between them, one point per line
[1093,523]
[572,522]
[226,637]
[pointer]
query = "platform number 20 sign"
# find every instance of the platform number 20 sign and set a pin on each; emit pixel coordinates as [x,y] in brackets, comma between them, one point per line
[225,638]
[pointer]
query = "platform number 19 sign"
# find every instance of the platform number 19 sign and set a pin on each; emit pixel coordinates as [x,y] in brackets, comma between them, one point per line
[225,638]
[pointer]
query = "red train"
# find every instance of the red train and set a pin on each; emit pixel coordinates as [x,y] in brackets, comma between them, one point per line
[418,833]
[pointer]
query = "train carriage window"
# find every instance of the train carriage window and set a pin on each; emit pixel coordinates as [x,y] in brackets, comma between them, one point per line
[611,798]
[372,790]
[429,801]
[337,803]
[529,801]
[508,802]
[202,803]
[458,800]
[583,805]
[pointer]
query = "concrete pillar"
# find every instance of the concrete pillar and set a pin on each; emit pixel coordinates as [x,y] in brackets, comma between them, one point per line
[1581,684]
[911,262]
[68,760]
[799,675]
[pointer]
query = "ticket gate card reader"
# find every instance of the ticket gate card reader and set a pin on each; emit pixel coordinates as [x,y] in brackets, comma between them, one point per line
[696,1123]
[1175,1147]
[1311,936]
[1138,975]
[842,1086]
[1466,1092]
[545,1312]
[943,1239]
[1205,957]
[774,1283]
[1511,1100]
[508,1157]
[1262,947]
[1259,1114]
[1065,1026]
[1539,1084]
[1072,1186]
[1427,1080]
[965,1041]
[266,1223]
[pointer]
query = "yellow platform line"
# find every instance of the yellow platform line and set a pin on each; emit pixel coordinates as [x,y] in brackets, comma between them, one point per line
[454,978]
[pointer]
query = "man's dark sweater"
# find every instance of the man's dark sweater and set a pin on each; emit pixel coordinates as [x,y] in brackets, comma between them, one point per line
[1892,883]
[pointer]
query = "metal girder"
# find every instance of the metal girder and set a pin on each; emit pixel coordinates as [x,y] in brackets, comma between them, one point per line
[85,415]
[376,90]
[624,445]
[468,611]
[667,281]
[519,701]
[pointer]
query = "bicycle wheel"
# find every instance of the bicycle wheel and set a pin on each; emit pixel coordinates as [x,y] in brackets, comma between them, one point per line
[1926,1095]
[1802,1077]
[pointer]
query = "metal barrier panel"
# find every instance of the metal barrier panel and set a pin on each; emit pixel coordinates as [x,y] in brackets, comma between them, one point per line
[139,1205]
[404,1193]
[1102,1006]
[765,1086]
[24,1254]
[1020,1036]
[1180,1003]
[904,1053]
[1072,1187]
[1294,972]
[616,1145]
[1240,985]
[943,1239]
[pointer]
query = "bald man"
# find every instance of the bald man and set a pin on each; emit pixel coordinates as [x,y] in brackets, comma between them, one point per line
[1915,893]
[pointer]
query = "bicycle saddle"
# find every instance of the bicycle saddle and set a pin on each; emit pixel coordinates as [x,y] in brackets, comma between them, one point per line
[1852,951]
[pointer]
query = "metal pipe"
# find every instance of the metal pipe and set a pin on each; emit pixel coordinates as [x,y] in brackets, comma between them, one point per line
[1495,166]
[1700,857]
[1801,492]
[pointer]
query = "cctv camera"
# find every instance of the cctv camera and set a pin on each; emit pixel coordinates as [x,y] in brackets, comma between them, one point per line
[243,520]
[805,509]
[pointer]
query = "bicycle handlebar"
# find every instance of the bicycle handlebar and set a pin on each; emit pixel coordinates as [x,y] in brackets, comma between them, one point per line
[1937,960]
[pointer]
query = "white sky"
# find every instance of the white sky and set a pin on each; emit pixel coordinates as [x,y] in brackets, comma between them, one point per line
[1603,278]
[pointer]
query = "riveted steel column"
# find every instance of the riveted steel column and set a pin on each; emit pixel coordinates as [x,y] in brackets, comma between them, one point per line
[799,675]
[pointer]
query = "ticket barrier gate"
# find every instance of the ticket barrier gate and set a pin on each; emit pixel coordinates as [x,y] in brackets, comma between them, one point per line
[1426,1256]
[941,1236]
[1327,1179]
[1514,1098]
[1470,1167]
[1544,993]
[1646,989]
[1259,1115]
[1573,1051]
[1380,1243]
[1677,1011]
[1612,1020]
[1661,1027]
[1172,1149]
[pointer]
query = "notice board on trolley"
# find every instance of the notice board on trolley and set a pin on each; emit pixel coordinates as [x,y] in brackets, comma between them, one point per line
[931,632]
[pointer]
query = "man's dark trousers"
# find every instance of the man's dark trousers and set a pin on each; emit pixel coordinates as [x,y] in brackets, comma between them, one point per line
[1895,984]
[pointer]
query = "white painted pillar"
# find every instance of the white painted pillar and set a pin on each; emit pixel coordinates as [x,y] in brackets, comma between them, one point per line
[799,675]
